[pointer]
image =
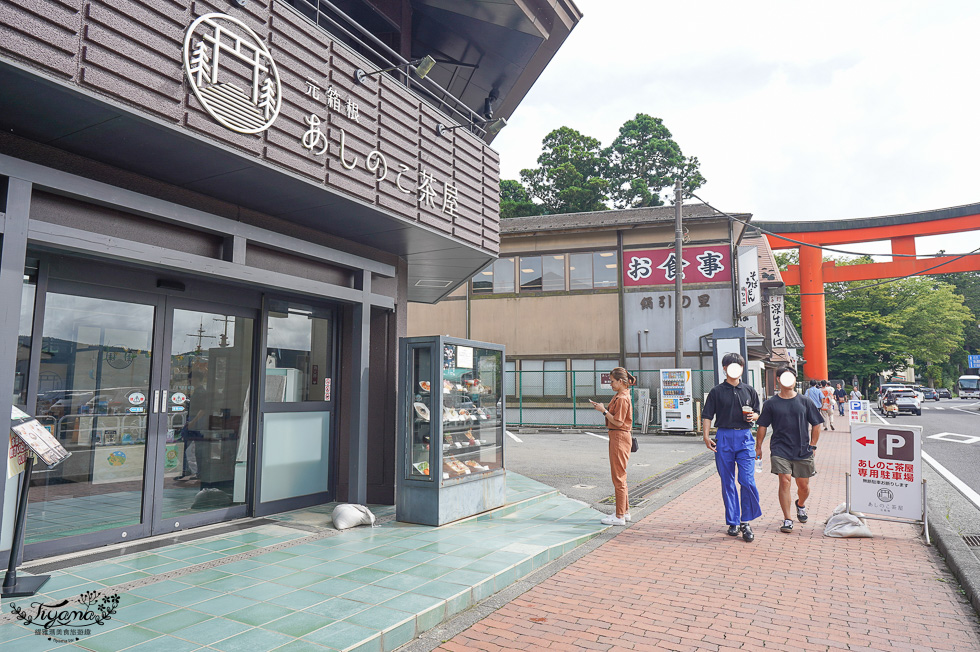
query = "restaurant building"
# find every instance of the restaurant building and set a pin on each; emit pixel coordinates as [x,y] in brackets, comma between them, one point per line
[574,295]
[214,218]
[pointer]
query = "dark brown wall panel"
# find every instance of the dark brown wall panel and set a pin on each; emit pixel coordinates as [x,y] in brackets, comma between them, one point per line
[132,52]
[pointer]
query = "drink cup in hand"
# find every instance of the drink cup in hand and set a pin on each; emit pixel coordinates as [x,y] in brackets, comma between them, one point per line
[746,411]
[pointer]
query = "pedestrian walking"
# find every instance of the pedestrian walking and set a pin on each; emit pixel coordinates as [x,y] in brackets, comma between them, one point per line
[619,421]
[795,424]
[814,394]
[841,397]
[827,404]
[734,406]
[855,394]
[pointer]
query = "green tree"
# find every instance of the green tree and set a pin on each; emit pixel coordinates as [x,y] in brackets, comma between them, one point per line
[643,160]
[514,201]
[569,177]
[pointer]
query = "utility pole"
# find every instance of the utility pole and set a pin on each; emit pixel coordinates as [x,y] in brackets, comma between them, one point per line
[678,278]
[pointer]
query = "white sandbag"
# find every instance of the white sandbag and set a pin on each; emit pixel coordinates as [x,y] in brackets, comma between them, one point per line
[348,515]
[845,526]
[840,509]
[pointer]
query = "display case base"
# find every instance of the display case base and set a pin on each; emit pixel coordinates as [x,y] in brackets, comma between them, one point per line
[423,506]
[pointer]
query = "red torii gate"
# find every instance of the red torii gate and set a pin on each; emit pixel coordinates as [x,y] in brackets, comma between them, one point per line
[901,230]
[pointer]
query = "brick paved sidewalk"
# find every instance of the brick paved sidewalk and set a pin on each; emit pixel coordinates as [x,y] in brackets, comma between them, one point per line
[675,581]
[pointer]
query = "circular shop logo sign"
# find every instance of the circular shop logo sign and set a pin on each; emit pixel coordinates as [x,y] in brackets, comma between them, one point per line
[136,398]
[885,495]
[232,73]
[178,398]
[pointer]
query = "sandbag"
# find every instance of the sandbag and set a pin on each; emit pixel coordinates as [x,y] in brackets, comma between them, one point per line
[845,526]
[348,515]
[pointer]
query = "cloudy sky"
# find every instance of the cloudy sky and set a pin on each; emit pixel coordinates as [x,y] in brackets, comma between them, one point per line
[797,111]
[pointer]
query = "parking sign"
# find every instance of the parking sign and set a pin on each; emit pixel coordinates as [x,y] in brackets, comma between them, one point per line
[886,470]
[859,412]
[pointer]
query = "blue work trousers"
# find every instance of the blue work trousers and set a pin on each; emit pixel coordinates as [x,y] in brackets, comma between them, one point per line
[736,450]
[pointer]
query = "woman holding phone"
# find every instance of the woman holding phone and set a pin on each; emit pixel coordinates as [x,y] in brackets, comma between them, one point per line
[619,421]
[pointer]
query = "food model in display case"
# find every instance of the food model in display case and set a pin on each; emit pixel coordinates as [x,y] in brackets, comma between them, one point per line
[451,430]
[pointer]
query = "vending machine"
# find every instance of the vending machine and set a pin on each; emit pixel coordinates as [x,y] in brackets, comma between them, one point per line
[676,400]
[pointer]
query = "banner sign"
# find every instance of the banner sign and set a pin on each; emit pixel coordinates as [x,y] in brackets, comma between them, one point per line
[749,292]
[859,412]
[886,470]
[777,322]
[37,438]
[656,266]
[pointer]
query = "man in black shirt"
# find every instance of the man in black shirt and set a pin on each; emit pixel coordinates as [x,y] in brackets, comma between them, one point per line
[734,406]
[796,424]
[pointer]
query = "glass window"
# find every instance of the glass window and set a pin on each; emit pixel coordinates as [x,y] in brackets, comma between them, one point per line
[582,374]
[530,273]
[510,380]
[604,269]
[532,380]
[472,428]
[24,338]
[423,405]
[580,271]
[299,354]
[483,281]
[554,378]
[503,275]
[553,273]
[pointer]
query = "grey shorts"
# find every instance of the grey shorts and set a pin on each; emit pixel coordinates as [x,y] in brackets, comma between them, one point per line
[796,468]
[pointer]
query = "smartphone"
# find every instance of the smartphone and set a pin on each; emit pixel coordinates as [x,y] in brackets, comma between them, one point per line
[591,401]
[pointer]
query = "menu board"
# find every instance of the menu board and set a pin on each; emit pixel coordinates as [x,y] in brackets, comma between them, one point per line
[37,438]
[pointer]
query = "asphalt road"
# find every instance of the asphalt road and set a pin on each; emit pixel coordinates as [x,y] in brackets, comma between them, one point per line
[951,436]
[578,464]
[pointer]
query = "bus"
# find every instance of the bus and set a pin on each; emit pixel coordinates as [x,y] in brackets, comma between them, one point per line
[968,386]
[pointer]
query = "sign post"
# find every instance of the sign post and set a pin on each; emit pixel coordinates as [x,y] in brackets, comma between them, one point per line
[886,480]
[40,443]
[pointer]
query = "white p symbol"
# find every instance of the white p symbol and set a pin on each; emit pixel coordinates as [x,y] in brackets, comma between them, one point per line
[892,442]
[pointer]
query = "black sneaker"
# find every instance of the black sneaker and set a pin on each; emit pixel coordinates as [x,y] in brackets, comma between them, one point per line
[787,526]
[801,512]
[747,532]
[732,531]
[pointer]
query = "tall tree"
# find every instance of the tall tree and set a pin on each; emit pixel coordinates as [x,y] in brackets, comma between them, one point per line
[569,176]
[643,160]
[514,201]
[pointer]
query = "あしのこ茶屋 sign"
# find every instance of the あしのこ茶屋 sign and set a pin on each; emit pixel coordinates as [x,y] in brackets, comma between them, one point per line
[886,470]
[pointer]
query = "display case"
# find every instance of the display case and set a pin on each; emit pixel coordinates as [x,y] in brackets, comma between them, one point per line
[451,429]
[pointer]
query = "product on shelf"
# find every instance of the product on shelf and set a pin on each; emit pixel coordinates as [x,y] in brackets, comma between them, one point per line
[422,467]
[424,384]
[454,465]
[476,465]
[422,411]
[469,435]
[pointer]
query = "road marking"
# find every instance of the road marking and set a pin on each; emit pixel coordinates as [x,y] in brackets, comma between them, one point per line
[960,486]
[947,436]
[599,436]
[878,416]
[964,411]
[937,408]
[514,437]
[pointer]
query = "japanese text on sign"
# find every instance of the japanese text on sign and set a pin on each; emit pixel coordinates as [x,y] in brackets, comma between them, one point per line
[886,470]
[659,267]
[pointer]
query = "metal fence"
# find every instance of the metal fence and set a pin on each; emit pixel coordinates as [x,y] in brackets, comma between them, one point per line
[561,398]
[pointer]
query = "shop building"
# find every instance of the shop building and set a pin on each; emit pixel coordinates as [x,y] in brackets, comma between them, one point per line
[582,293]
[214,218]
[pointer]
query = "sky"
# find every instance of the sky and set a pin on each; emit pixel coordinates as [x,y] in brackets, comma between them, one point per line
[796,111]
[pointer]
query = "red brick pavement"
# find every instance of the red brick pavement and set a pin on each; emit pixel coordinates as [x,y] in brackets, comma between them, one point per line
[676,581]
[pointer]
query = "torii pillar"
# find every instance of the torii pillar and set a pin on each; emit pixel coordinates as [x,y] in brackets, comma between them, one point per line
[813,313]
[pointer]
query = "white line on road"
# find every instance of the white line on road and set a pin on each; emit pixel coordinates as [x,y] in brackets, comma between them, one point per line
[514,437]
[968,493]
[599,436]
[963,411]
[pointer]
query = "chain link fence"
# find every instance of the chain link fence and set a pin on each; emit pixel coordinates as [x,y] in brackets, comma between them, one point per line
[561,398]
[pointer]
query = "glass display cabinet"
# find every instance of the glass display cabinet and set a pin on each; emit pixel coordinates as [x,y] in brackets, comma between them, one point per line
[451,429]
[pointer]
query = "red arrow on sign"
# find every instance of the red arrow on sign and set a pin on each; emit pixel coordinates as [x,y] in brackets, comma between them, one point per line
[864,441]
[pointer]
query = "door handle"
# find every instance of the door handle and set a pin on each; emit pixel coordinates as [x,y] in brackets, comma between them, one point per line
[156,401]
[163,404]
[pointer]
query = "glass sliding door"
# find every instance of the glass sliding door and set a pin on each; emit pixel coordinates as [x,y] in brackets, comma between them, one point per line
[96,362]
[205,413]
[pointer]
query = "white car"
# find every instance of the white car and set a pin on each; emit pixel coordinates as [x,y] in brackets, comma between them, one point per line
[884,388]
[907,400]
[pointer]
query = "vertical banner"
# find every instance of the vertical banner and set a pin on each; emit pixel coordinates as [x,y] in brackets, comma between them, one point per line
[749,292]
[777,318]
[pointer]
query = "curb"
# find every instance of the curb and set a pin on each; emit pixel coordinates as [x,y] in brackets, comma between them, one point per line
[959,558]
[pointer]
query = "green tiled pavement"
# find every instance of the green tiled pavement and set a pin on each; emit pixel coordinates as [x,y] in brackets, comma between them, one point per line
[365,589]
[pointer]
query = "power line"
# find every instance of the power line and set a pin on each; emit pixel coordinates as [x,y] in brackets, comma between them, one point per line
[813,246]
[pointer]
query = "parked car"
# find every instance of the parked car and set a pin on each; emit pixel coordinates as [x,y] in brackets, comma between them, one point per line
[943,392]
[929,394]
